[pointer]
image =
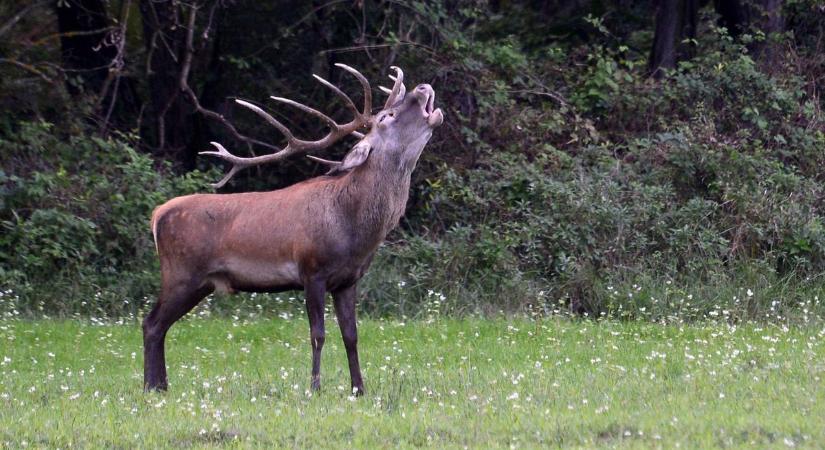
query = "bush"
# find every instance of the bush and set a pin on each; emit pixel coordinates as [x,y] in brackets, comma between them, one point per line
[707,182]
[75,217]
[564,178]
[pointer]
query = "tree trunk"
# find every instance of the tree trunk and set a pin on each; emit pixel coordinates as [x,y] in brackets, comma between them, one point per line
[82,25]
[210,95]
[742,16]
[675,21]
[668,24]
[770,20]
[169,125]
[733,15]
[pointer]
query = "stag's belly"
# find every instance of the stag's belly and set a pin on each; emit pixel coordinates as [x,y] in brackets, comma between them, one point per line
[249,275]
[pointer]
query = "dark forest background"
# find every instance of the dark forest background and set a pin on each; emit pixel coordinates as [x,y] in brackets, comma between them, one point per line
[658,159]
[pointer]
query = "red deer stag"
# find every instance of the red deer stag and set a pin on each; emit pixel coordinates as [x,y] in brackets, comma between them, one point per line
[318,235]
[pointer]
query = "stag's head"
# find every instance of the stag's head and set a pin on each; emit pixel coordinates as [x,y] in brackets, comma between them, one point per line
[404,126]
[398,133]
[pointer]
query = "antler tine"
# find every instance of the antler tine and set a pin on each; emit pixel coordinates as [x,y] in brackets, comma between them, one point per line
[397,86]
[274,122]
[340,93]
[365,84]
[295,145]
[237,163]
[402,91]
[331,123]
[361,117]
[325,161]
[226,178]
[240,163]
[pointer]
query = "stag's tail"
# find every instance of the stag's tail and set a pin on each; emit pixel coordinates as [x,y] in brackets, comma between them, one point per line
[155,217]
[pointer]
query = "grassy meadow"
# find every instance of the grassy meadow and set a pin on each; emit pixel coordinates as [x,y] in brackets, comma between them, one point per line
[616,239]
[448,383]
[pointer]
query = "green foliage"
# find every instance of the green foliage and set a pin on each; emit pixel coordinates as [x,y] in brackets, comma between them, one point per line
[562,168]
[588,174]
[75,214]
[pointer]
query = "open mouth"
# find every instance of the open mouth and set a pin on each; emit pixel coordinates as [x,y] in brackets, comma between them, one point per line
[426,98]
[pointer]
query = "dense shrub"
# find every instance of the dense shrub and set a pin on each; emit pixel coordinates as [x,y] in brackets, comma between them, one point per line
[564,177]
[75,212]
[584,173]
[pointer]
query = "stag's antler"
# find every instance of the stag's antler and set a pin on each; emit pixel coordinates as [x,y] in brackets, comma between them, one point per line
[398,90]
[295,145]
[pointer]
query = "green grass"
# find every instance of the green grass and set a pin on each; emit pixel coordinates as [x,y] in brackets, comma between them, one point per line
[446,383]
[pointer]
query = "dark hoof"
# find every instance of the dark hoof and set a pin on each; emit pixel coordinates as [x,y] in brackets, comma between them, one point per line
[154,387]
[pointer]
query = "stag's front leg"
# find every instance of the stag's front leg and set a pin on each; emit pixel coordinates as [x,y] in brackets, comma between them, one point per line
[344,301]
[315,291]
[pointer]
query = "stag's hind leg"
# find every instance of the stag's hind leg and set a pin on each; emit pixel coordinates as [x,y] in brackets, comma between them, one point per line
[344,301]
[175,300]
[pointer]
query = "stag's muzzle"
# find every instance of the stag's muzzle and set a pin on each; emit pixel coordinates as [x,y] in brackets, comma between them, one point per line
[426,97]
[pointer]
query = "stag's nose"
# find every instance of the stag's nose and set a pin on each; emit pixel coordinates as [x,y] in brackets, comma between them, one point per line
[426,93]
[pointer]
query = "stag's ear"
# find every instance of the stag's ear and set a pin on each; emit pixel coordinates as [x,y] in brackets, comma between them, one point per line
[356,156]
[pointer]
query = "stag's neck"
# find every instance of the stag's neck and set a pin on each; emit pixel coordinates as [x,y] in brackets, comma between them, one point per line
[375,194]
